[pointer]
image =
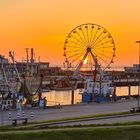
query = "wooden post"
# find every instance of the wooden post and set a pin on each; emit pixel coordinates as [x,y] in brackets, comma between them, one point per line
[114,94]
[129,91]
[72,97]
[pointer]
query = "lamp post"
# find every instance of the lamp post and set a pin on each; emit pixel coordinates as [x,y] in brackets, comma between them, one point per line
[139,75]
[1,109]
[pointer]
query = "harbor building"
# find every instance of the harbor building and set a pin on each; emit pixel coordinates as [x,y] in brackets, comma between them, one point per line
[3,60]
[133,69]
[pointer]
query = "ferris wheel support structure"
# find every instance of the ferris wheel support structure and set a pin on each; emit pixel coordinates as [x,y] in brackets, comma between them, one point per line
[97,66]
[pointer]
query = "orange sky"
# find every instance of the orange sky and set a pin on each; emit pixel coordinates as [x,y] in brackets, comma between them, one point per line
[45,24]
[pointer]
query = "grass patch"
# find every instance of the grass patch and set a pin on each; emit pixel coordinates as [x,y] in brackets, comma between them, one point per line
[89,125]
[132,133]
[39,127]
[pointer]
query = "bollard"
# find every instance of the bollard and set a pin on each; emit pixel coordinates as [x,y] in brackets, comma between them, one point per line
[31,115]
[23,114]
[18,115]
[9,116]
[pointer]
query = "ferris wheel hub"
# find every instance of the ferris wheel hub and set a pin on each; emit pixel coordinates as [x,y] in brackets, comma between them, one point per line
[88,49]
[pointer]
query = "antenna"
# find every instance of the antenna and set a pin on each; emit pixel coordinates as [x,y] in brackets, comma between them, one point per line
[27,55]
[39,59]
[32,55]
[32,61]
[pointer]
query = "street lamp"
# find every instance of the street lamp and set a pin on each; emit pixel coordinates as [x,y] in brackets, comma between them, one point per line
[1,107]
[139,75]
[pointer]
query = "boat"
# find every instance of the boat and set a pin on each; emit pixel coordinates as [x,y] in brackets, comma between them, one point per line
[100,90]
[9,83]
[62,88]
[63,84]
[6,104]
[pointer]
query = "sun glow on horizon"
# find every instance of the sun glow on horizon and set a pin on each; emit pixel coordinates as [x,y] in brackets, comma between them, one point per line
[85,61]
[44,26]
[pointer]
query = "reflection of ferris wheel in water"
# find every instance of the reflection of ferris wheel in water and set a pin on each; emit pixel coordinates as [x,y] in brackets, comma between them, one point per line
[88,47]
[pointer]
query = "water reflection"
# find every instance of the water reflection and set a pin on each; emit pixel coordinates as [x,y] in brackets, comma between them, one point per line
[124,90]
[61,97]
[64,97]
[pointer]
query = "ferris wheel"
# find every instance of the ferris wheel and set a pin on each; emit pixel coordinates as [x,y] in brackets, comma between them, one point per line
[89,46]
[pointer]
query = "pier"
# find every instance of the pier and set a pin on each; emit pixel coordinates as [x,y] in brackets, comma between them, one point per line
[126,82]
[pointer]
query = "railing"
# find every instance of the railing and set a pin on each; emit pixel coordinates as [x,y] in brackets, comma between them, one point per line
[126,80]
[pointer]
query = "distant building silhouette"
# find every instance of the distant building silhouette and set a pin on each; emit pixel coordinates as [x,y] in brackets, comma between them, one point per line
[133,69]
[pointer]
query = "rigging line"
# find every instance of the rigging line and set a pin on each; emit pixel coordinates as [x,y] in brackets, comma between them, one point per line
[91,35]
[77,39]
[102,43]
[83,35]
[95,35]
[77,43]
[81,38]
[101,39]
[73,55]
[77,58]
[97,38]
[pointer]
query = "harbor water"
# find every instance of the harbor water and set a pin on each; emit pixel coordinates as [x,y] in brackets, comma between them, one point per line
[64,97]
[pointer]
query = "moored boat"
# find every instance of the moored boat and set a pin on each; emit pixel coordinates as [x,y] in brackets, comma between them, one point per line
[98,91]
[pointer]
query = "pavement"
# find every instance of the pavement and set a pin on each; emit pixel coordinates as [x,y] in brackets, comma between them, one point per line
[99,120]
[37,114]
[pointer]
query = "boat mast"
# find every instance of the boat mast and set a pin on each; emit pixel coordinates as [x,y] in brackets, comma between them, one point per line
[27,60]
[13,60]
[32,60]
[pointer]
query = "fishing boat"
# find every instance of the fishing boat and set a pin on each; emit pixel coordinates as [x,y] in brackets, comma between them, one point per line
[9,83]
[100,90]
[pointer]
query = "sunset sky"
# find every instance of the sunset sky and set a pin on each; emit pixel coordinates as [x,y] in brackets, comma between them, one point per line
[45,24]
